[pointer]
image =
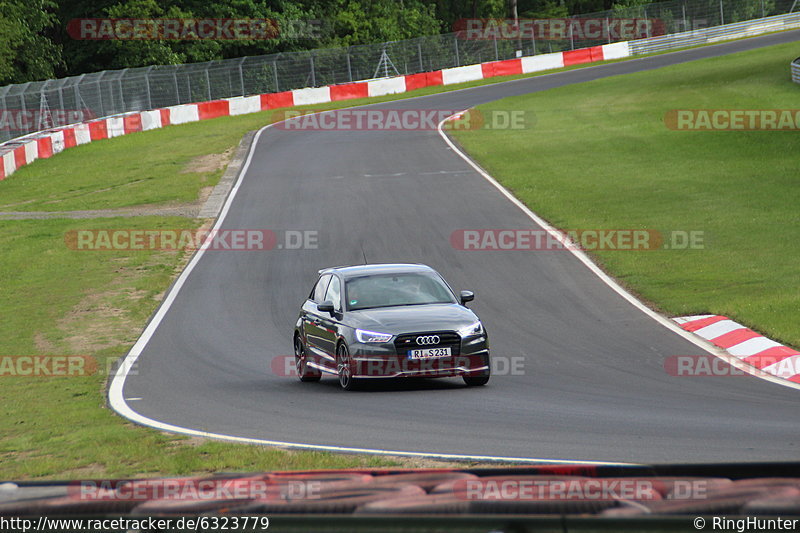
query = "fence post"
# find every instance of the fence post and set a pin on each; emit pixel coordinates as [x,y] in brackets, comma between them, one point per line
[43,104]
[349,67]
[721,14]
[121,92]
[275,72]
[22,100]
[419,52]
[241,75]
[571,36]
[4,109]
[100,93]
[147,86]
[685,22]
[177,90]
[78,97]
[455,43]
[496,57]
[61,102]
[313,73]
[208,83]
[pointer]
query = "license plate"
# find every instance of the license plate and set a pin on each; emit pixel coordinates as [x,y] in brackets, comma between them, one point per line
[424,353]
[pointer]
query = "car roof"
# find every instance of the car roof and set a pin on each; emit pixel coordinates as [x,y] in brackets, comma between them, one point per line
[388,268]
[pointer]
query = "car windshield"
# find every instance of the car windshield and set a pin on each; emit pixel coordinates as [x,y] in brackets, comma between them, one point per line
[388,290]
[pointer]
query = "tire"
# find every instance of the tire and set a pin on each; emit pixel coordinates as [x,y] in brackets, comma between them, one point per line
[344,367]
[479,380]
[304,372]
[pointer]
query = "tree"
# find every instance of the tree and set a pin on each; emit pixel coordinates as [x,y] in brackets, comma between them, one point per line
[370,21]
[34,34]
[545,9]
[26,52]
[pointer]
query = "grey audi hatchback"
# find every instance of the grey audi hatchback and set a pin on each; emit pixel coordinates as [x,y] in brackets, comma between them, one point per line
[388,321]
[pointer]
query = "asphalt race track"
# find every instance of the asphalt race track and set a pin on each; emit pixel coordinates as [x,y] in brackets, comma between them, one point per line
[593,387]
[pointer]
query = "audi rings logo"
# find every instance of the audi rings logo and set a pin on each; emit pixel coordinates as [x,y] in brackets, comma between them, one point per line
[428,339]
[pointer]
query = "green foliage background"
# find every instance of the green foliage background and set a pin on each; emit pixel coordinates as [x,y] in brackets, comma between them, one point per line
[35,45]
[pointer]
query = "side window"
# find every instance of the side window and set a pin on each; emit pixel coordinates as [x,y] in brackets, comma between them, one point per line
[318,294]
[334,294]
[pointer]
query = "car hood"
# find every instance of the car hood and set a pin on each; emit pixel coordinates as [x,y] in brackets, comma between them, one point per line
[414,318]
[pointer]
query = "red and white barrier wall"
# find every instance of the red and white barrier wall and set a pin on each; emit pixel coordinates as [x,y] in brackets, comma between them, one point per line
[745,344]
[23,151]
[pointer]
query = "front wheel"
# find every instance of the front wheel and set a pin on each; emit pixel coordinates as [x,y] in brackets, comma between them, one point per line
[304,372]
[479,380]
[476,381]
[344,367]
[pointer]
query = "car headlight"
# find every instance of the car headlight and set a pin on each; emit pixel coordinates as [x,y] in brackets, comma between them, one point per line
[472,329]
[372,336]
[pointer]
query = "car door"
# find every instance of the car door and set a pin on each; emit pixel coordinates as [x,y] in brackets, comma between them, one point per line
[330,323]
[312,319]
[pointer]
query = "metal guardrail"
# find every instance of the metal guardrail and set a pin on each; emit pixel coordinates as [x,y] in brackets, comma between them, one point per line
[30,107]
[717,33]
[796,70]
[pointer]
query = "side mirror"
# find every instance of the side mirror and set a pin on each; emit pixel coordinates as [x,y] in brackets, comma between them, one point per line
[325,307]
[467,296]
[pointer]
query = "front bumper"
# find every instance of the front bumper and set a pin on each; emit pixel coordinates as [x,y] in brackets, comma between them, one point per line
[371,361]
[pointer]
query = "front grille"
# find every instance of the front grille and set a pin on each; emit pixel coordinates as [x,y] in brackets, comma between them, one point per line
[408,341]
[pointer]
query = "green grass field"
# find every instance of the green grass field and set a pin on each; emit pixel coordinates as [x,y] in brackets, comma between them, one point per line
[601,156]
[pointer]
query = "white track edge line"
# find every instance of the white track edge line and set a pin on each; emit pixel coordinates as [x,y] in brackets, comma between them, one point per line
[608,280]
[117,401]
